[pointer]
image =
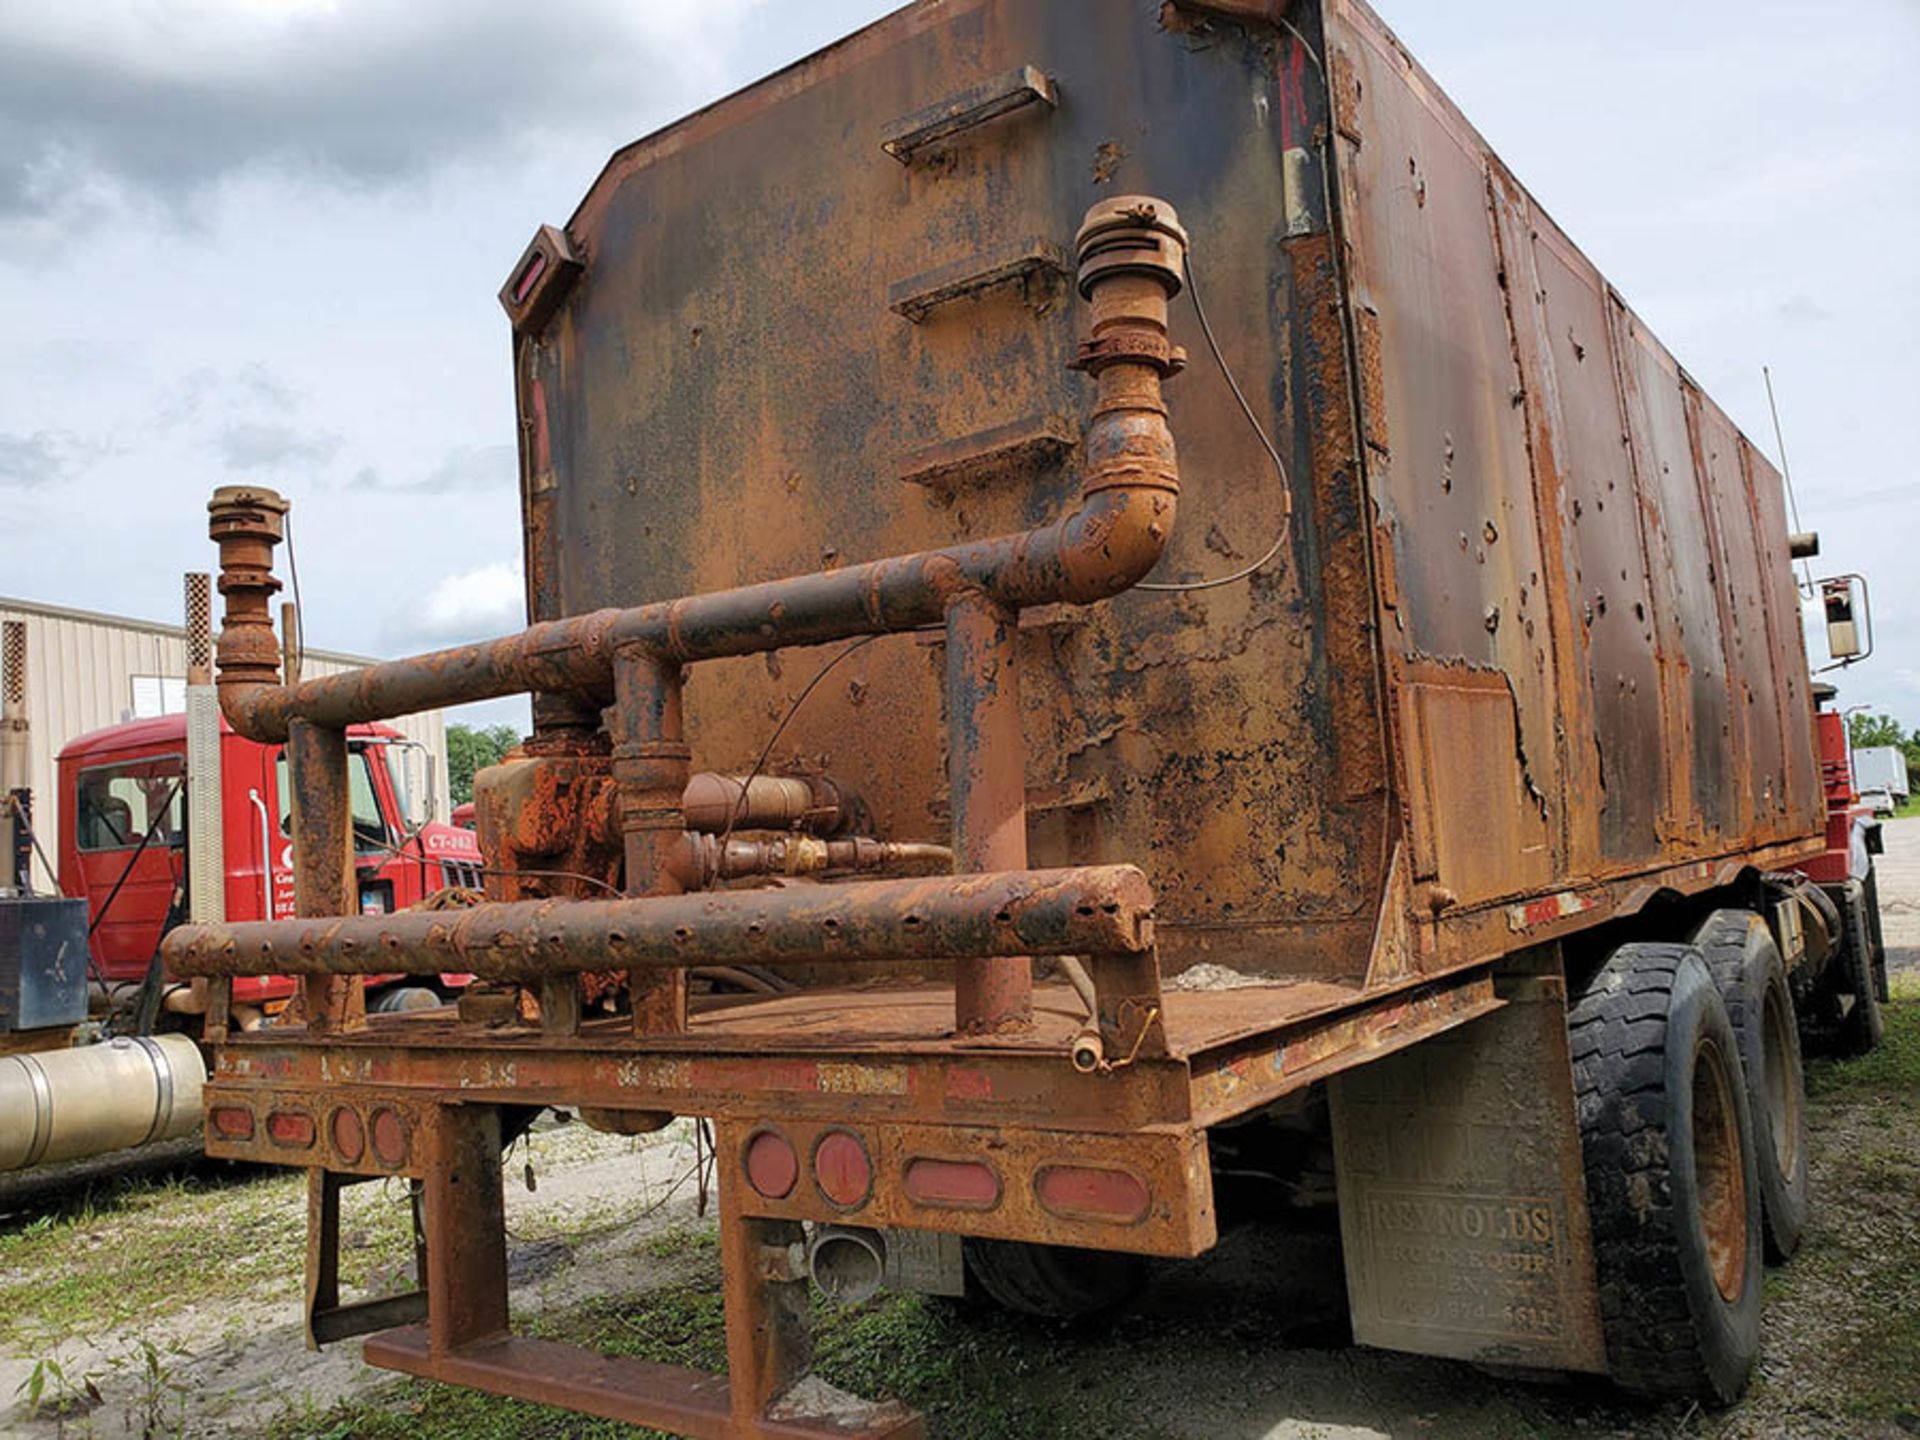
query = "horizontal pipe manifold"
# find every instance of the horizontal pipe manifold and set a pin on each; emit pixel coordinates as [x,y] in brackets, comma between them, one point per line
[1091,910]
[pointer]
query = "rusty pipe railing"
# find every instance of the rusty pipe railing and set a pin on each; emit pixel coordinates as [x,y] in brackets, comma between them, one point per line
[1131,253]
[1097,910]
[1131,257]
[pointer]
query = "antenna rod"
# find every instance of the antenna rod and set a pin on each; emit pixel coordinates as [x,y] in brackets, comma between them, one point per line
[1786,469]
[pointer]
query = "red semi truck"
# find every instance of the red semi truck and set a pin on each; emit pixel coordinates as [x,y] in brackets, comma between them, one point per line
[124,784]
[138,840]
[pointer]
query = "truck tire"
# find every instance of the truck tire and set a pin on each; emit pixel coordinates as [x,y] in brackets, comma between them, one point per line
[1752,980]
[1870,902]
[1863,1025]
[1667,1141]
[1056,1282]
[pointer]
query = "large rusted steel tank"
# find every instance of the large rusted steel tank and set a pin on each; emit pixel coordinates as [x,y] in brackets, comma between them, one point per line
[1430,737]
[1530,637]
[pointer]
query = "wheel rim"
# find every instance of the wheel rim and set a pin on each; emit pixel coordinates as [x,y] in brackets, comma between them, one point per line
[1783,1094]
[1718,1180]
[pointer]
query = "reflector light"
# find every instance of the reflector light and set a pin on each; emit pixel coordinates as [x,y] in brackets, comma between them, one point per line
[389,1138]
[842,1170]
[231,1122]
[536,267]
[773,1168]
[1091,1192]
[953,1184]
[349,1136]
[290,1128]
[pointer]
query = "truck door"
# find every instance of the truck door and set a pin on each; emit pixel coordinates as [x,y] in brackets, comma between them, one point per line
[259,862]
[129,889]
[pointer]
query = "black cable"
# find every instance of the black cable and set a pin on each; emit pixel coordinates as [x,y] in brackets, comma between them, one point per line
[299,615]
[740,800]
[1266,443]
[33,838]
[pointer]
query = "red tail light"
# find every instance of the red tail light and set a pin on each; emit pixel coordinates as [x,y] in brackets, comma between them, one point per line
[773,1169]
[842,1170]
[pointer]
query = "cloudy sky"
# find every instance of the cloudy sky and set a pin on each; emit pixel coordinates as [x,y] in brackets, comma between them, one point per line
[258,240]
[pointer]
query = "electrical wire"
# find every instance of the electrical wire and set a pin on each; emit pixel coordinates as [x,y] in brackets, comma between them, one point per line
[1165,587]
[1786,474]
[299,615]
[1266,443]
[740,800]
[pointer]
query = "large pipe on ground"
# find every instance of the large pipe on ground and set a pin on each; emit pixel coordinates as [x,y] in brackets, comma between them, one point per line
[1131,261]
[71,1104]
[1092,910]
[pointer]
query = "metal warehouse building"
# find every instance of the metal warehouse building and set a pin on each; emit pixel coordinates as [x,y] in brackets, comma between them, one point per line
[86,671]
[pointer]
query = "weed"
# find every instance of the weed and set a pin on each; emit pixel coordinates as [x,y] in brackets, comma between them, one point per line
[683,1242]
[52,1393]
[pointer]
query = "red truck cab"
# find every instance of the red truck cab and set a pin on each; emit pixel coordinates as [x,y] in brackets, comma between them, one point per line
[118,784]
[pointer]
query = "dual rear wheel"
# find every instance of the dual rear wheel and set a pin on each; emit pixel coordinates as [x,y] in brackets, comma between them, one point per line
[1692,1110]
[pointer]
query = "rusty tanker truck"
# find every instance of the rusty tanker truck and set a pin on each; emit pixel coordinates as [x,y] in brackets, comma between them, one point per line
[1098,576]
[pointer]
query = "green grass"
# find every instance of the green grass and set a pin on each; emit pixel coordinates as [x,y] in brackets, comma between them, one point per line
[123,1251]
[1860,1259]
[1890,1075]
[128,1250]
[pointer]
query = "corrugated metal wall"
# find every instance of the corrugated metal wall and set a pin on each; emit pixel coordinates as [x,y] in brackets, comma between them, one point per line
[80,677]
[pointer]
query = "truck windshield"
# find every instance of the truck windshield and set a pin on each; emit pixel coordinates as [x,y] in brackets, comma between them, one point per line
[369,826]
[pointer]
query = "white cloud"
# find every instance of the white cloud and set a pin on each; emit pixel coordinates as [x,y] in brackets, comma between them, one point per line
[129,103]
[469,605]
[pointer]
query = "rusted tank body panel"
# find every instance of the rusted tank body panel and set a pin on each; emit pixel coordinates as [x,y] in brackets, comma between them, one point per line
[1565,517]
[729,392]
[1533,626]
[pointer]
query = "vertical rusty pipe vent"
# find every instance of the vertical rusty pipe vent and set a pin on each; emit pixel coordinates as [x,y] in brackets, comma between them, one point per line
[246,522]
[14,764]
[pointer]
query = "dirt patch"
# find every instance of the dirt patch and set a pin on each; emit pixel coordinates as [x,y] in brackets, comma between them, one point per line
[170,1305]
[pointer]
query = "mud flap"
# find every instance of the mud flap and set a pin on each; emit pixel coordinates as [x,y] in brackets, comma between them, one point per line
[1463,1207]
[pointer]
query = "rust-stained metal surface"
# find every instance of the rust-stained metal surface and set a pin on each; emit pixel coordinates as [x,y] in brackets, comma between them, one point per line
[1451,382]
[1526,654]
[1633,600]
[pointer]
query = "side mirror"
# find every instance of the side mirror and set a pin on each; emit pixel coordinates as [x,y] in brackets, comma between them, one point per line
[1843,598]
[421,801]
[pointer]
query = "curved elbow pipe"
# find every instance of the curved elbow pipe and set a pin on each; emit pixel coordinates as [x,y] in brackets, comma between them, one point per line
[1131,254]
